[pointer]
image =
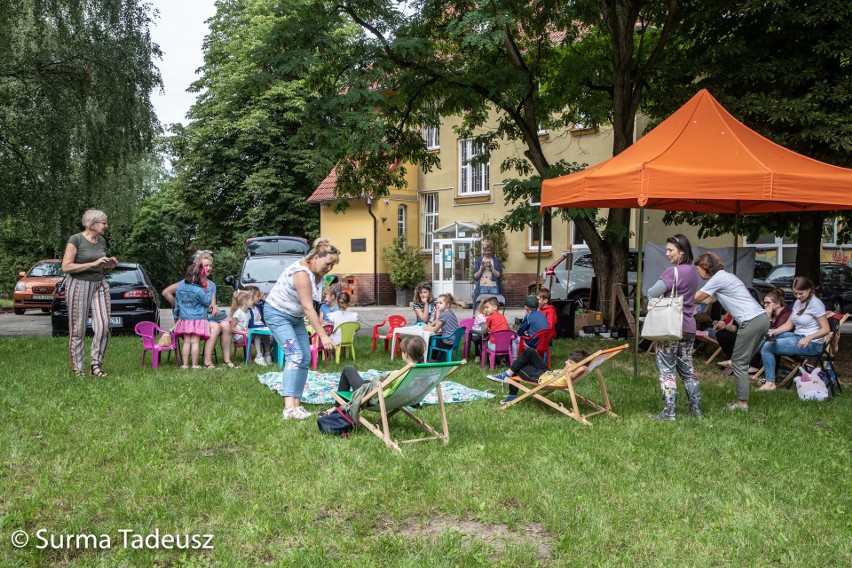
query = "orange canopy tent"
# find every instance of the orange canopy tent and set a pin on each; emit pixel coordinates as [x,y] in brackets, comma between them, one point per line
[703,159]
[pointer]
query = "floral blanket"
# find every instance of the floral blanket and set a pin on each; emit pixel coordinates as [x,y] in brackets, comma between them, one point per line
[320,386]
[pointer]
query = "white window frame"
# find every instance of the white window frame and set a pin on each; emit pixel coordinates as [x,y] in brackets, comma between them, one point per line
[402,220]
[833,243]
[532,235]
[432,137]
[429,207]
[577,239]
[473,179]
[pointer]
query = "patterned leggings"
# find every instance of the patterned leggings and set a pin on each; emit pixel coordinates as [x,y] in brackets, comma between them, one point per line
[675,356]
[85,298]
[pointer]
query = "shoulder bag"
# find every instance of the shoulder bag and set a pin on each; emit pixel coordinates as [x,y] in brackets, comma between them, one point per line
[664,320]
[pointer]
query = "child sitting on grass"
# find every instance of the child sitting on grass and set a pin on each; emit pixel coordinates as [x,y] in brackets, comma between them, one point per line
[532,368]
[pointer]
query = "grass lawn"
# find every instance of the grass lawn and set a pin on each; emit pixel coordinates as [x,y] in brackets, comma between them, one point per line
[201,452]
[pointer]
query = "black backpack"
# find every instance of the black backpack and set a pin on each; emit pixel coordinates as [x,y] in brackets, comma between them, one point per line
[335,421]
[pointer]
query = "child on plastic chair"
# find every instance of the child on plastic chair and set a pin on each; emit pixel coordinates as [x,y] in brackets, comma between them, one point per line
[341,315]
[242,308]
[532,368]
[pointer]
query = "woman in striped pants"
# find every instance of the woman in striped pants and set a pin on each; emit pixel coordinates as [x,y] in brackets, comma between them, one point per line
[86,292]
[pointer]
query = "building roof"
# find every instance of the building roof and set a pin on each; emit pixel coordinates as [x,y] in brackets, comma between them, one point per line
[325,190]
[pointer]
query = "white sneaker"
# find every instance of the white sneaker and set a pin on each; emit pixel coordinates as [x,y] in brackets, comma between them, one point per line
[767,386]
[300,413]
[260,361]
[268,359]
[287,414]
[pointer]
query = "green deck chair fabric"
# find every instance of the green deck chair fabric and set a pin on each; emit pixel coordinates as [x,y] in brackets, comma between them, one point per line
[394,394]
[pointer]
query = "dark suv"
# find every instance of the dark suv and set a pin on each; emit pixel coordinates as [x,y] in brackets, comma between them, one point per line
[132,299]
[266,259]
[835,288]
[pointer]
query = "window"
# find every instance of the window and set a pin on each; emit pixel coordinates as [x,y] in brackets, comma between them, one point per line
[830,236]
[401,220]
[535,234]
[473,177]
[432,136]
[430,218]
[576,237]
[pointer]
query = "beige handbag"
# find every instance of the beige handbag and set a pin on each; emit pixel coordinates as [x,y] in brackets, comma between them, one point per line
[664,320]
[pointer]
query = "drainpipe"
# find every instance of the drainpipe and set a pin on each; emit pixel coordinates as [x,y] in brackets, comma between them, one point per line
[375,252]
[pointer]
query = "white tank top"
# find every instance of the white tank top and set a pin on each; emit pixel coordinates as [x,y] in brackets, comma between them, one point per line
[285,298]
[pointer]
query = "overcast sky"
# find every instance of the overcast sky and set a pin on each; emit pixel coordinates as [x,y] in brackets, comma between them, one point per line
[179,30]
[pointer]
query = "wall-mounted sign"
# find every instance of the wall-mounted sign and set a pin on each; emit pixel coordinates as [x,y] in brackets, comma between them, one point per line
[359,245]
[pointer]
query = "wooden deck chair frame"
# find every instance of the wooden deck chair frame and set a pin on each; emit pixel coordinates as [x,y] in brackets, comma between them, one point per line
[705,340]
[542,390]
[416,382]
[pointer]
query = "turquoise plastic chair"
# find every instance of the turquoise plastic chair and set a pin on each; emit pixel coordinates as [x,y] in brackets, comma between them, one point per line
[453,353]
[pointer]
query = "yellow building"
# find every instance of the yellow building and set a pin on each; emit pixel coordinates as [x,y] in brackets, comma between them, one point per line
[441,210]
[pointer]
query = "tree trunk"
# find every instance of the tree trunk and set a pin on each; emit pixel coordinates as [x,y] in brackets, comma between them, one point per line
[810,241]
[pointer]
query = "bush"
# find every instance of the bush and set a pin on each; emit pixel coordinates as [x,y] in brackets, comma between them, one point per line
[406,265]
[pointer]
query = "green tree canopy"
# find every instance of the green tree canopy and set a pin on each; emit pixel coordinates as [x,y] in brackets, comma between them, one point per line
[76,124]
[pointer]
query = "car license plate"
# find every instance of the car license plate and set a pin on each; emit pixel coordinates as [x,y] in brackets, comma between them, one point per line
[114,321]
[42,297]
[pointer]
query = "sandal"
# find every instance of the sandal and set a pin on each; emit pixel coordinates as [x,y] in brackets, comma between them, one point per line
[209,367]
[79,374]
[97,372]
[184,366]
[229,364]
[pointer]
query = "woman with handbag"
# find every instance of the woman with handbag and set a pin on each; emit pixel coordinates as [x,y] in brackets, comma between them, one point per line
[679,280]
[752,321]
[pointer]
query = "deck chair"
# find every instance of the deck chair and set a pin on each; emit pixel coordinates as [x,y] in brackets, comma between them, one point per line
[542,390]
[712,344]
[392,395]
[830,347]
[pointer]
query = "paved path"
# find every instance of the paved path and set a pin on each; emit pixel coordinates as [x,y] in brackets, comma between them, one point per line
[37,324]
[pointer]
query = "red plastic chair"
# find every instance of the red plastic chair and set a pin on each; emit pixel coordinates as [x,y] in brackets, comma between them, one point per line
[148,331]
[542,347]
[502,345]
[467,324]
[393,322]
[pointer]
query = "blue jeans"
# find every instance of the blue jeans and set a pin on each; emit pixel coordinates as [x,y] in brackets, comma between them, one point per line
[291,334]
[786,344]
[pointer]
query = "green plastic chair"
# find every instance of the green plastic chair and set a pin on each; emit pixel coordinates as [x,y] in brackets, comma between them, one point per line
[393,394]
[347,338]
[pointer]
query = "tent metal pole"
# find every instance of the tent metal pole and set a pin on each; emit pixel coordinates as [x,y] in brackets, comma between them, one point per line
[638,293]
[736,236]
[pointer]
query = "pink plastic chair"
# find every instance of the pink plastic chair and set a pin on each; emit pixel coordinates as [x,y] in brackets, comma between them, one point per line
[240,339]
[316,346]
[148,331]
[467,324]
[502,345]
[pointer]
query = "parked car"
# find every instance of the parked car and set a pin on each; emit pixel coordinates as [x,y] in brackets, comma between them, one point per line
[835,288]
[762,269]
[132,299]
[36,287]
[266,259]
[570,277]
[276,245]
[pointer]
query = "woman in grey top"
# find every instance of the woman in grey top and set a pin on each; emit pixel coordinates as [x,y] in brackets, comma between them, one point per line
[86,292]
[752,321]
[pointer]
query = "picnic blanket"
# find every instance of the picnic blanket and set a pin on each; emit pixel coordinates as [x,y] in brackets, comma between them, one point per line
[320,386]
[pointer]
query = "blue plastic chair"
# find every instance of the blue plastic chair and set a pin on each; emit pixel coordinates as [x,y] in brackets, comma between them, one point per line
[453,353]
